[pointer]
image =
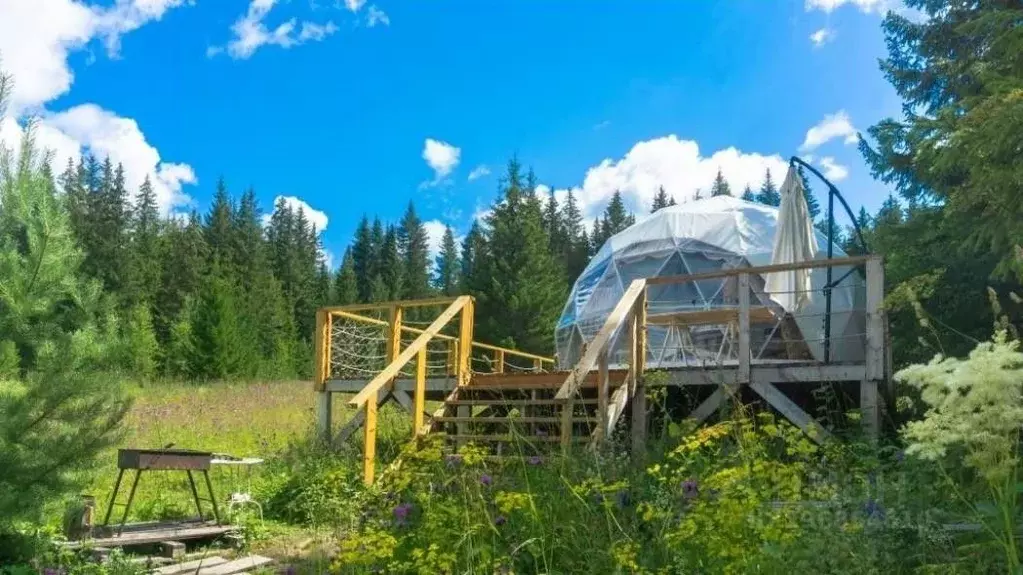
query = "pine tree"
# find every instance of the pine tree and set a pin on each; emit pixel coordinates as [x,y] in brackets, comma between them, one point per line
[447,279]
[812,204]
[391,272]
[474,250]
[219,349]
[346,284]
[768,194]
[661,200]
[61,413]
[143,272]
[720,186]
[518,284]
[748,195]
[553,225]
[362,259]
[576,251]
[183,265]
[219,229]
[414,248]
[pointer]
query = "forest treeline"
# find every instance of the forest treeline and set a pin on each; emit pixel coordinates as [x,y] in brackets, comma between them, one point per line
[232,293]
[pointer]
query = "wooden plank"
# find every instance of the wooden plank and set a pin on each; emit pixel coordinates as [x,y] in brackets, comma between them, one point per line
[791,411]
[369,442]
[172,549]
[145,537]
[499,361]
[517,402]
[758,314]
[637,332]
[393,341]
[190,566]
[403,384]
[546,380]
[406,303]
[358,419]
[465,326]
[419,398]
[236,566]
[616,408]
[603,389]
[875,352]
[761,270]
[515,352]
[321,350]
[743,326]
[408,353]
[614,320]
[512,419]
[324,415]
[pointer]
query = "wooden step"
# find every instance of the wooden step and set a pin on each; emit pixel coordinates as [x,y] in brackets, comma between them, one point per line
[236,566]
[518,402]
[512,438]
[531,381]
[575,419]
[190,566]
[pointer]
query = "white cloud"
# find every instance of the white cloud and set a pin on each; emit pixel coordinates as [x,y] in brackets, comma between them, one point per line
[479,172]
[250,33]
[822,36]
[828,6]
[833,126]
[36,39]
[435,234]
[354,5]
[602,125]
[105,134]
[442,157]
[675,164]
[833,170]
[375,16]
[316,217]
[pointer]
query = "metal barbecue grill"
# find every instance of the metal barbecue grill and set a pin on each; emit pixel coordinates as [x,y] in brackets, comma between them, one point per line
[140,460]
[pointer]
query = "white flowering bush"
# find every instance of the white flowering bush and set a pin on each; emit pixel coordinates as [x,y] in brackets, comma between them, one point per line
[975,407]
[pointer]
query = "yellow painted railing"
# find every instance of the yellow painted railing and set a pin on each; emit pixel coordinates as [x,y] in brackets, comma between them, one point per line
[397,357]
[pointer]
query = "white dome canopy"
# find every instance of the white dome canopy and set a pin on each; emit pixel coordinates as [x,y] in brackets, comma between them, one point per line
[716,233]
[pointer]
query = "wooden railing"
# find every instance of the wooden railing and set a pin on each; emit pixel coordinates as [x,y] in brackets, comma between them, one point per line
[459,365]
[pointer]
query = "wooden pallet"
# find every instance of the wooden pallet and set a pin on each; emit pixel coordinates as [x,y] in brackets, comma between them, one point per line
[156,532]
[215,566]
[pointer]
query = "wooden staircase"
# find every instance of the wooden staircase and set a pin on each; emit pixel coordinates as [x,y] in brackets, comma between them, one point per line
[518,414]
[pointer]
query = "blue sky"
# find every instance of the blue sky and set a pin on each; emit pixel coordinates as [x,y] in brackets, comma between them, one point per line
[333,103]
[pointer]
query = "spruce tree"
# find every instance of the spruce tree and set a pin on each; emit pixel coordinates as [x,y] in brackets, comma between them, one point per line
[414,248]
[768,194]
[554,225]
[346,284]
[57,411]
[474,250]
[219,349]
[520,287]
[661,200]
[143,270]
[183,265]
[812,204]
[748,195]
[362,253]
[576,251]
[219,229]
[616,218]
[720,186]
[448,267]
[391,271]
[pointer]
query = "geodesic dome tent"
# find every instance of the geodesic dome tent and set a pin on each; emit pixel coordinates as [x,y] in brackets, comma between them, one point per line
[702,236]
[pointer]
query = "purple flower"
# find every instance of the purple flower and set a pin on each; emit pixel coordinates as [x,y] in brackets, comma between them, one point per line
[500,520]
[874,510]
[535,460]
[50,571]
[486,480]
[401,513]
[623,498]
[289,570]
[690,489]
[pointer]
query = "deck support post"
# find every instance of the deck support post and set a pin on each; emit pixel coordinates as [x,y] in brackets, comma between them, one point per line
[321,371]
[637,329]
[603,384]
[875,349]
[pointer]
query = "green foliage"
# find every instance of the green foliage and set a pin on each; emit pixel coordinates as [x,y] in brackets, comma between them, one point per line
[615,219]
[720,186]
[662,200]
[414,246]
[218,347]
[768,194]
[138,342]
[448,266]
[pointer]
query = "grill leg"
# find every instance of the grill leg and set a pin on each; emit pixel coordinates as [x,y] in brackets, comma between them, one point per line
[131,496]
[213,498]
[195,494]
[113,497]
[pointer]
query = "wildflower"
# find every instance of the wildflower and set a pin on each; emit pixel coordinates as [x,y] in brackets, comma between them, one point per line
[401,513]
[535,460]
[486,480]
[453,459]
[623,498]
[289,570]
[500,520]
[874,510]
[50,571]
[690,489]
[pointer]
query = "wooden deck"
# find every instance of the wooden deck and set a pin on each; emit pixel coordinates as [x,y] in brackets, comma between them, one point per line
[155,532]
